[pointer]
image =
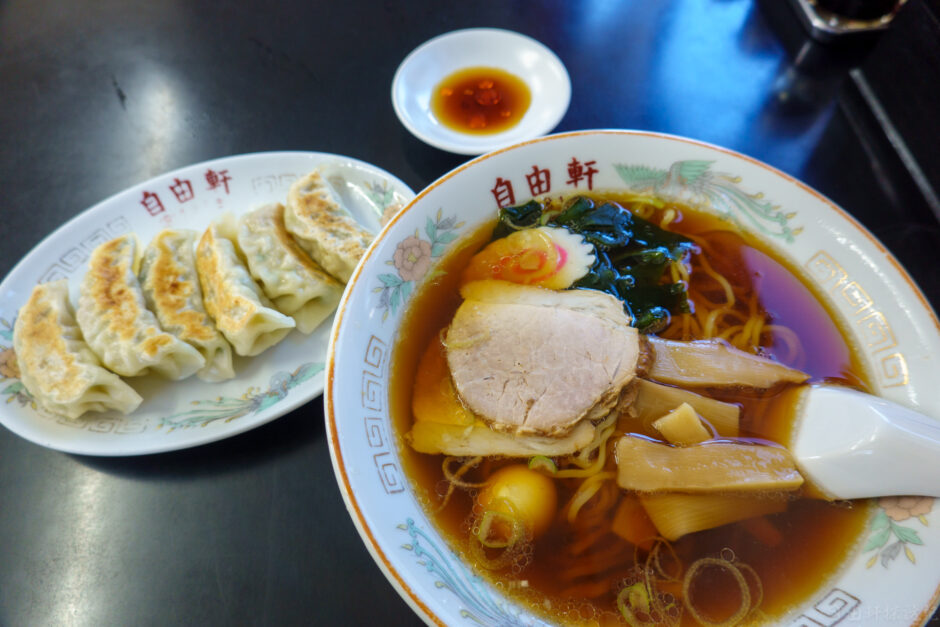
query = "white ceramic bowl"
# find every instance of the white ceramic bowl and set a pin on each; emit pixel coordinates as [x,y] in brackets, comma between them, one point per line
[892,576]
[517,54]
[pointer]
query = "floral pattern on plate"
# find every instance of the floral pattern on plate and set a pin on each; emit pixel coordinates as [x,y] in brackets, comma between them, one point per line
[229,408]
[15,391]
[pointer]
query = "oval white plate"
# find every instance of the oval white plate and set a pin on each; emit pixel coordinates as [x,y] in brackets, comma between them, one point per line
[180,414]
[517,54]
[890,578]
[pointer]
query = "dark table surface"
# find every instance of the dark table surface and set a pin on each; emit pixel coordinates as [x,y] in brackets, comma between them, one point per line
[100,95]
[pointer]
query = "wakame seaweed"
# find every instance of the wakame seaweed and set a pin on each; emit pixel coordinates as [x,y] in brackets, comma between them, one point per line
[518,218]
[608,226]
[631,254]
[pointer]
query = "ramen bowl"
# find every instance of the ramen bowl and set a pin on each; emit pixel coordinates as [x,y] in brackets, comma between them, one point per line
[889,576]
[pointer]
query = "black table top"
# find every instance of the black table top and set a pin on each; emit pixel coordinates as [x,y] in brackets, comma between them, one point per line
[98,96]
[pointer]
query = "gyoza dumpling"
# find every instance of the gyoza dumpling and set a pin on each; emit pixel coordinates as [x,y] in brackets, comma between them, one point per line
[294,282]
[323,228]
[241,312]
[171,287]
[118,326]
[55,363]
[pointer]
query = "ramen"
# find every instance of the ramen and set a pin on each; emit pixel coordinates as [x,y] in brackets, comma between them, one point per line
[555,528]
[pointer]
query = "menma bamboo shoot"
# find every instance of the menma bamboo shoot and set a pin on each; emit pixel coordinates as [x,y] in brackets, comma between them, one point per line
[653,400]
[676,515]
[714,466]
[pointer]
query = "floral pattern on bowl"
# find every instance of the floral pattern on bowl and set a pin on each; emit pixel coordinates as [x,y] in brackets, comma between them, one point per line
[885,527]
[694,183]
[412,259]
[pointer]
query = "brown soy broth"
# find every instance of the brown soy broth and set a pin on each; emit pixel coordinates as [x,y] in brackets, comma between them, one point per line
[432,309]
[789,303]
[816,535]
[480,100]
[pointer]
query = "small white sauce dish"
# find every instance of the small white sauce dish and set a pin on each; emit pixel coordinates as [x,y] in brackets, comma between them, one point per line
[428,64]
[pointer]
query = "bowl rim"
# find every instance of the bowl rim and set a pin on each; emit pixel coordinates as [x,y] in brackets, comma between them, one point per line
[379,555]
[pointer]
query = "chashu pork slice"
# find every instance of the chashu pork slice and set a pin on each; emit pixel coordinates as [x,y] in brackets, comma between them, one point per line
[536,361]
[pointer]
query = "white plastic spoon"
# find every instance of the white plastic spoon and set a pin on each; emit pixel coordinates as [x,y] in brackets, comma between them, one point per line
[854,445]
